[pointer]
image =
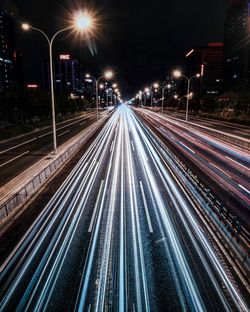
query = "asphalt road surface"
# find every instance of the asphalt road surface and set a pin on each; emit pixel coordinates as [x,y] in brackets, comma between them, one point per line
[20,153]
[224,126]
[119,235]
[222,166]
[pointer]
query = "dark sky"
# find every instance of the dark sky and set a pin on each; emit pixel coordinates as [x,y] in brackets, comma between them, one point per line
[141,40]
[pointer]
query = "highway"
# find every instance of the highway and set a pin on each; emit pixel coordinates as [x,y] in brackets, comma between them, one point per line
[223,167]
[229,127]
[22,152]
[120,234]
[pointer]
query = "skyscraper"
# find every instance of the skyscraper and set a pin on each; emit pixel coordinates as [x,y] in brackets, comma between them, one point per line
[206,61]
[10,58]
[67,75]
[7,50]
[237,43]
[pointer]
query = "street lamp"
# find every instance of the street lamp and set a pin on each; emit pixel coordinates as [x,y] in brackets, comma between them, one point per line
[83,23]
[108,75]
[157,86]
[178,74]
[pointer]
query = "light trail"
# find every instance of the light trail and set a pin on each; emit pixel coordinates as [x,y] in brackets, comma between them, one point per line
[239,302]
[118,233]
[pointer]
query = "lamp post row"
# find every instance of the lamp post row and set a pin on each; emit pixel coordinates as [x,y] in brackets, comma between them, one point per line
[176,74]
[84,23]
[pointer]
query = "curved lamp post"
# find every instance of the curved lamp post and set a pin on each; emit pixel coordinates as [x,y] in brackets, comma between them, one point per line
[83,22]
[108,75]
[178,74]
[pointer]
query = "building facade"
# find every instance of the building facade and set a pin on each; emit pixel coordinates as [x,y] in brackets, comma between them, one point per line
[237,44]
[67,75]
[206,61]
[10,60]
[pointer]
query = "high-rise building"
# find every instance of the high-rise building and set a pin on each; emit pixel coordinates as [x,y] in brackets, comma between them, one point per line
[67,75]
[206,61]
[8,55]
[237,43]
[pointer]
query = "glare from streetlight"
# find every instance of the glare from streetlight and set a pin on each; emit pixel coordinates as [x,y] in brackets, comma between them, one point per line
[101,86]
[114,85]
[198,75]
[169,86]
[156,85]
[177,73]
[87,75]
[147,90]
[25,26]
[83,21]
[109,74]
[175,96]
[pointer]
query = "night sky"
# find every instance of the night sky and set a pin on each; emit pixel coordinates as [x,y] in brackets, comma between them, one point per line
[141,40]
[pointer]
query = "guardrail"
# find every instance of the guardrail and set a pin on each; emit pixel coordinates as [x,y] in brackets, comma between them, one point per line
[26,191]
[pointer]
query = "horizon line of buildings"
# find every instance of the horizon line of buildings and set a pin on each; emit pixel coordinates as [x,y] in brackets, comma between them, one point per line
[222,65]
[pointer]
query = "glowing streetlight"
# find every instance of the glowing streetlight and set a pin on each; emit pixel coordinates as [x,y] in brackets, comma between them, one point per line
[82,22]
[114,85]
[178,74]
[25,26]
[158,86]
[108,75]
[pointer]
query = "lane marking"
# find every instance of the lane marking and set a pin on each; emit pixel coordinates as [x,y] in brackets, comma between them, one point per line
[82,123]
[187,147]
[245,189]
[237,162]
[112,146]
[9,161]
[189,136]
[40,136]
[132,143]
[43,135]
[95,209]
[146,209]
[21,144]
[63,133]
[221,170]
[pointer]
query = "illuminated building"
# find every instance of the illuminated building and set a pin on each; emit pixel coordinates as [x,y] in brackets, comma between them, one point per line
[10,60]
[206,61]
[67,75]
[237,43]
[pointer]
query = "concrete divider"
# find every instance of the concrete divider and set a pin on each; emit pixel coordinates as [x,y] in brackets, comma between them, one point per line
[42,171]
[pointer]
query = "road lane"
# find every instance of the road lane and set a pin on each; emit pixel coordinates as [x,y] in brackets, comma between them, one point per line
[231,128]
[226,166]
[119,235]
[39,144]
